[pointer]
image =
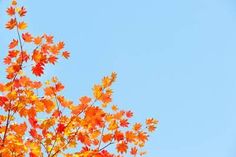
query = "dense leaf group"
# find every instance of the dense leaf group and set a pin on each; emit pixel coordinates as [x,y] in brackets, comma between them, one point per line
[37,120]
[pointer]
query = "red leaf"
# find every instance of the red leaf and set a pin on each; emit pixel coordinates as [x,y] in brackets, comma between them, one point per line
[38,69]
[60,128]
[118,136]
[33,122]
[124,123]
[11,11]
[33,133]
[32,155]
[133,151]
[3,100]
[129,114]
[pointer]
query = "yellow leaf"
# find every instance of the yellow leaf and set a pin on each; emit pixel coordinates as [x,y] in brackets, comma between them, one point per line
[22,25]
[17,9]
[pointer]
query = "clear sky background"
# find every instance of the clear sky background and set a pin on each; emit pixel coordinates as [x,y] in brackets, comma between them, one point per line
[175,59]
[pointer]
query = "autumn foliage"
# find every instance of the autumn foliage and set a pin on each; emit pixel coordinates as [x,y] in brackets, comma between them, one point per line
[37,120]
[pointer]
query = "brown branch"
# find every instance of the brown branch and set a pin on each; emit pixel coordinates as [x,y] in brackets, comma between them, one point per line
[100,141]
[106,145]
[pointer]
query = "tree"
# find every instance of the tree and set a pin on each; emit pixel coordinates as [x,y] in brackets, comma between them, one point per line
[37,120]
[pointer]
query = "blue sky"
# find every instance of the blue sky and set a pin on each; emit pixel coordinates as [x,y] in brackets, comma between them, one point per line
[175,61]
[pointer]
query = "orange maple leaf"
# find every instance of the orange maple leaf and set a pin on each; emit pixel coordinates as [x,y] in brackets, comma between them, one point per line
[13,44]
[38,40]
[66,54]
[11,24]
[122,147]
[52,59]
[22,25]
[60,45]
[27,37]
[49,105]
[107,137]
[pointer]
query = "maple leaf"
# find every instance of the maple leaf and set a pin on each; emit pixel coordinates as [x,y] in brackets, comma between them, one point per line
[129,114]
[97,91]
[36,84]
[49,38]
[151,128]
[60,45]
[10,11]
[13,44]
[114,108]
[14,2]
[37,40]
[3,100]
[38,56]
[49,91]
[142,136]
[27,37]
[122,147]
[66,54]
[56,113]
[13,53]
[113,125]
[32,111]
[106,98]
[85,100]
[39,106]
[22,11]
[107,137]
[60,128]
[58,87]
[22,25]
[54,50]
[106,82]
[77,109]
[124,123]
[49,105]
[151,121]
[52,59]
[38,69]
[65,103]
[7,60]
[118,136]
[137,126]
[11,24]
[134,151]
[130,136]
